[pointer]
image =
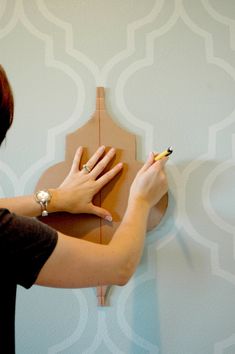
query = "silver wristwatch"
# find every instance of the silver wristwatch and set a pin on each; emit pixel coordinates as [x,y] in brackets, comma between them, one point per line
[43,197]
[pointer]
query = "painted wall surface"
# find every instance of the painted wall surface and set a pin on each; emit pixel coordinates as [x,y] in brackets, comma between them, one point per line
[169,71]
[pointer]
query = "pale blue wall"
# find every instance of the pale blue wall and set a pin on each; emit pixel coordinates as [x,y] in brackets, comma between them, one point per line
[169,72]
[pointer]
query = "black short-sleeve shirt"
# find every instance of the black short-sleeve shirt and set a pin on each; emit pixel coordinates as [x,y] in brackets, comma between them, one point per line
[25,245]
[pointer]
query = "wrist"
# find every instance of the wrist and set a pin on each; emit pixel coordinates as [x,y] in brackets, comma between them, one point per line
[54,205]
[138,207]
[139,203]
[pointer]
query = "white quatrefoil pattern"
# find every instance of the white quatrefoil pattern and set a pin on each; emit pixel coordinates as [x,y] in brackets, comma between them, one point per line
[168,68]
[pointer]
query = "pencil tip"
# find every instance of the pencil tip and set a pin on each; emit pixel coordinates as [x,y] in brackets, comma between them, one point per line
[170,149]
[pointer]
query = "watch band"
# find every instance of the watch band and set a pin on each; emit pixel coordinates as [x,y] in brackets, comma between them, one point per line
[43,197]
[44,211]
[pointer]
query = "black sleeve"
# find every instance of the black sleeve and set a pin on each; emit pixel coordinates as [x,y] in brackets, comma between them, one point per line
[25,245]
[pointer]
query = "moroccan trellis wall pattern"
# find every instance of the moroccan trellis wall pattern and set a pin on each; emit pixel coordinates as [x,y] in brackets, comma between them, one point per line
[168,67]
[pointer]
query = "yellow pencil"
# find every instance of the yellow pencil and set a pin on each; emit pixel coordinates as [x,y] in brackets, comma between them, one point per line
[164,153]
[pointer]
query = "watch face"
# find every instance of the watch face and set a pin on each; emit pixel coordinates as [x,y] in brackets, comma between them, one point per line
[43,196]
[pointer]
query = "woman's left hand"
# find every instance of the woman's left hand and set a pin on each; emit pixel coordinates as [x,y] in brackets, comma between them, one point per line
[77,191]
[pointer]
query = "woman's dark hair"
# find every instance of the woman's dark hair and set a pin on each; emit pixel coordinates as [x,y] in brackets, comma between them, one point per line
[6,104]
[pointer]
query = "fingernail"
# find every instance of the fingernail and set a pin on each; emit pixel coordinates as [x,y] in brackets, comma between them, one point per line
[108,218]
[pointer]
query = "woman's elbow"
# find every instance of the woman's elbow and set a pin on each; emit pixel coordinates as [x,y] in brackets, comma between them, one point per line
[123,268]
[124,275]
[122,280]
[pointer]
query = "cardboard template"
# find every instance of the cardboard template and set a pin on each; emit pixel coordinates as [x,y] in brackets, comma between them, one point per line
[99,130]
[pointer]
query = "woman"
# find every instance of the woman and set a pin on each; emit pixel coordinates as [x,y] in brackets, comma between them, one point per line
[32,253]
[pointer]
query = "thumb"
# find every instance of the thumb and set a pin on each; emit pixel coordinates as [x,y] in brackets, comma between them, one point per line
[101,212]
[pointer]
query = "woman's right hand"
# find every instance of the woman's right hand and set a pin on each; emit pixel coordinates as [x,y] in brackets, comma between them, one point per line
[150,183]
[83,183]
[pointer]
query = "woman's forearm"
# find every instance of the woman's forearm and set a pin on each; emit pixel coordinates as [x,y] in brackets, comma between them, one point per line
[129,238]
[77,263]
[23,205]
[27,205]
